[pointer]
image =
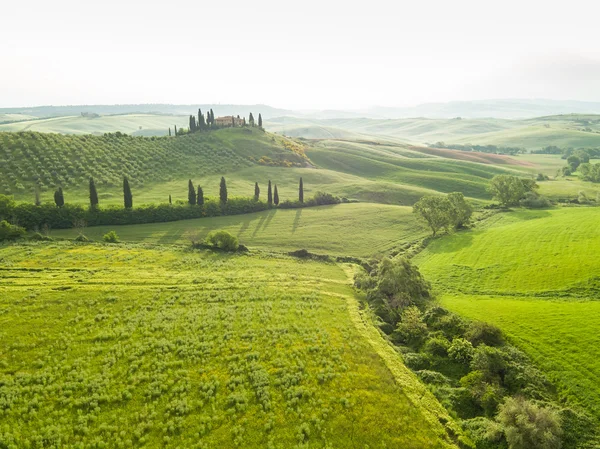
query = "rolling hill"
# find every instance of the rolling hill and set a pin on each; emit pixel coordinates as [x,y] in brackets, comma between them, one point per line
[535,275]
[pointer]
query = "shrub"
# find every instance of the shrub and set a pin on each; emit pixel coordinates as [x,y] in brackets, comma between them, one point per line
[10,232]
[81,238]
[223,240]
[111,237]
[480,332]
[526,425]
[411,329]
[534,201]
[461,351]
[437,346]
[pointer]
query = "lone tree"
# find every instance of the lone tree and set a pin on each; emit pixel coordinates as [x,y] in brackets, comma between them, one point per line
[200,197]
[59,198]
[191,193]
[259,121]
[435,210]
[275,196]
[127,196]
[269,194]
[223,191]
[256,191]
[93,194]
[301,192]
[510,189]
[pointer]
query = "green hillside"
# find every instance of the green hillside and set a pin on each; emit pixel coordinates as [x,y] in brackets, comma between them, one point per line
[534,274]
[134,124]
[8,118]
[114,346]
[325,229]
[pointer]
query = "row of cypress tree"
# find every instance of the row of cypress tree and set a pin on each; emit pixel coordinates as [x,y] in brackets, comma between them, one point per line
[195,196]
[201,123]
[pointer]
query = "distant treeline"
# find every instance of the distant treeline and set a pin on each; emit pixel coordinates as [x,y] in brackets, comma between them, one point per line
[37,216]
[493,149]
[592,153]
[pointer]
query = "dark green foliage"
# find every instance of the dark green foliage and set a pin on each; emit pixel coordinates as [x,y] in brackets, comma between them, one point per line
[256,191]
[93,194]
[534,201]
[461,351]
[200,196]
[573,162]
[170,199]
[111,237]
[393,286]
[222,240]
[59,198]
[127,195]
[484,333]
[509,190]
[589,172]
[169,132]
[10,232]
[301,191]
[449,212]
[411,330]
[7,206]
[260,125]
[37,201]
[251,119]
[275,196]
[223,191]
[191,193]
[269,194]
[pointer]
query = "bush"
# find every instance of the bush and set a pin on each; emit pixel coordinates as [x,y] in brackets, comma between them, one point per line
[81,238]
[37,237]
[534,201]
[411,329]
[10,232]
[461,351]
[111,237]
[484,333]
[223,240]
[437,346]
[526,425]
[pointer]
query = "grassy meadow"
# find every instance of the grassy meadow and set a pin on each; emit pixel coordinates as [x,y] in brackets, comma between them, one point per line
[359,229]
[131,346]
[535,275]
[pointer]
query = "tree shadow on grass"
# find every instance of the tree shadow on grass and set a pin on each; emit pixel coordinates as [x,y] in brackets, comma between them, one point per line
[171,236]
[270,216]
[296,220]
[259,224]
[244,227]
[451,243]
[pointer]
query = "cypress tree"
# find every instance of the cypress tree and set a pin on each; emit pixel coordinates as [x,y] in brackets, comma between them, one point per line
[93,194]
[170,202]
[212,117]
[223,191]
[191,125]
[191,193]
[269,194]
[200,196]
[251,119]
[243,121]
[275,196]
[169,132]
[59,198]
[259,121]
[301,192]
[200,119]
[175,129]
[256,191]
[127,196]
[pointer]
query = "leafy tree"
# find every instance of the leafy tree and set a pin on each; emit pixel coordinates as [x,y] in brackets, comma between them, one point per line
[200,196]
[510,189]
[10,232]
[460,210]
[480,332]
[127,196]
[269,194]
[526,425]
[191,193]
[573,162]
[256,191]
[223,191]
[411,328]
[392,286]
[260,121]
[275,196]
[93,194]
[436,211]
[59,197]
[301,192]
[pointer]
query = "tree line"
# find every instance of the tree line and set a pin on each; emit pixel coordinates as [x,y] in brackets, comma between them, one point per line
[203,122]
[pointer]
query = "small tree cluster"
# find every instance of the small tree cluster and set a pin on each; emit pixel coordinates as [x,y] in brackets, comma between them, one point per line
[509,190]
[444,212]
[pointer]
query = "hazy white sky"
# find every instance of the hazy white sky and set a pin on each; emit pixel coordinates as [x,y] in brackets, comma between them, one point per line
[301,54]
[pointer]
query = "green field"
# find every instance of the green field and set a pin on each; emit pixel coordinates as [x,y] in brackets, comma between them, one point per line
[534,274]
[359,230]
[115,346]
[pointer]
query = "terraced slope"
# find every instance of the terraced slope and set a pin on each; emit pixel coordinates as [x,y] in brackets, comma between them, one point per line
[534,274]
[111,346]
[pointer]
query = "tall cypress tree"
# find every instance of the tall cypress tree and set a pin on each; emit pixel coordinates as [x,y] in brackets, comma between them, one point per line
[191,193]
[200,196]
[251,119]
[269,194]
[301,192]
[169,132]
[59,198]
[175,129]
[259,120]
[223,191]
[276,196]
[38,201]
[93,194]
[256,191]
[127,196]
[200,119]
[170,201]
[212,117]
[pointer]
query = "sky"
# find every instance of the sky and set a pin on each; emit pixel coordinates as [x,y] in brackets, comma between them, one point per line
[298,55]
